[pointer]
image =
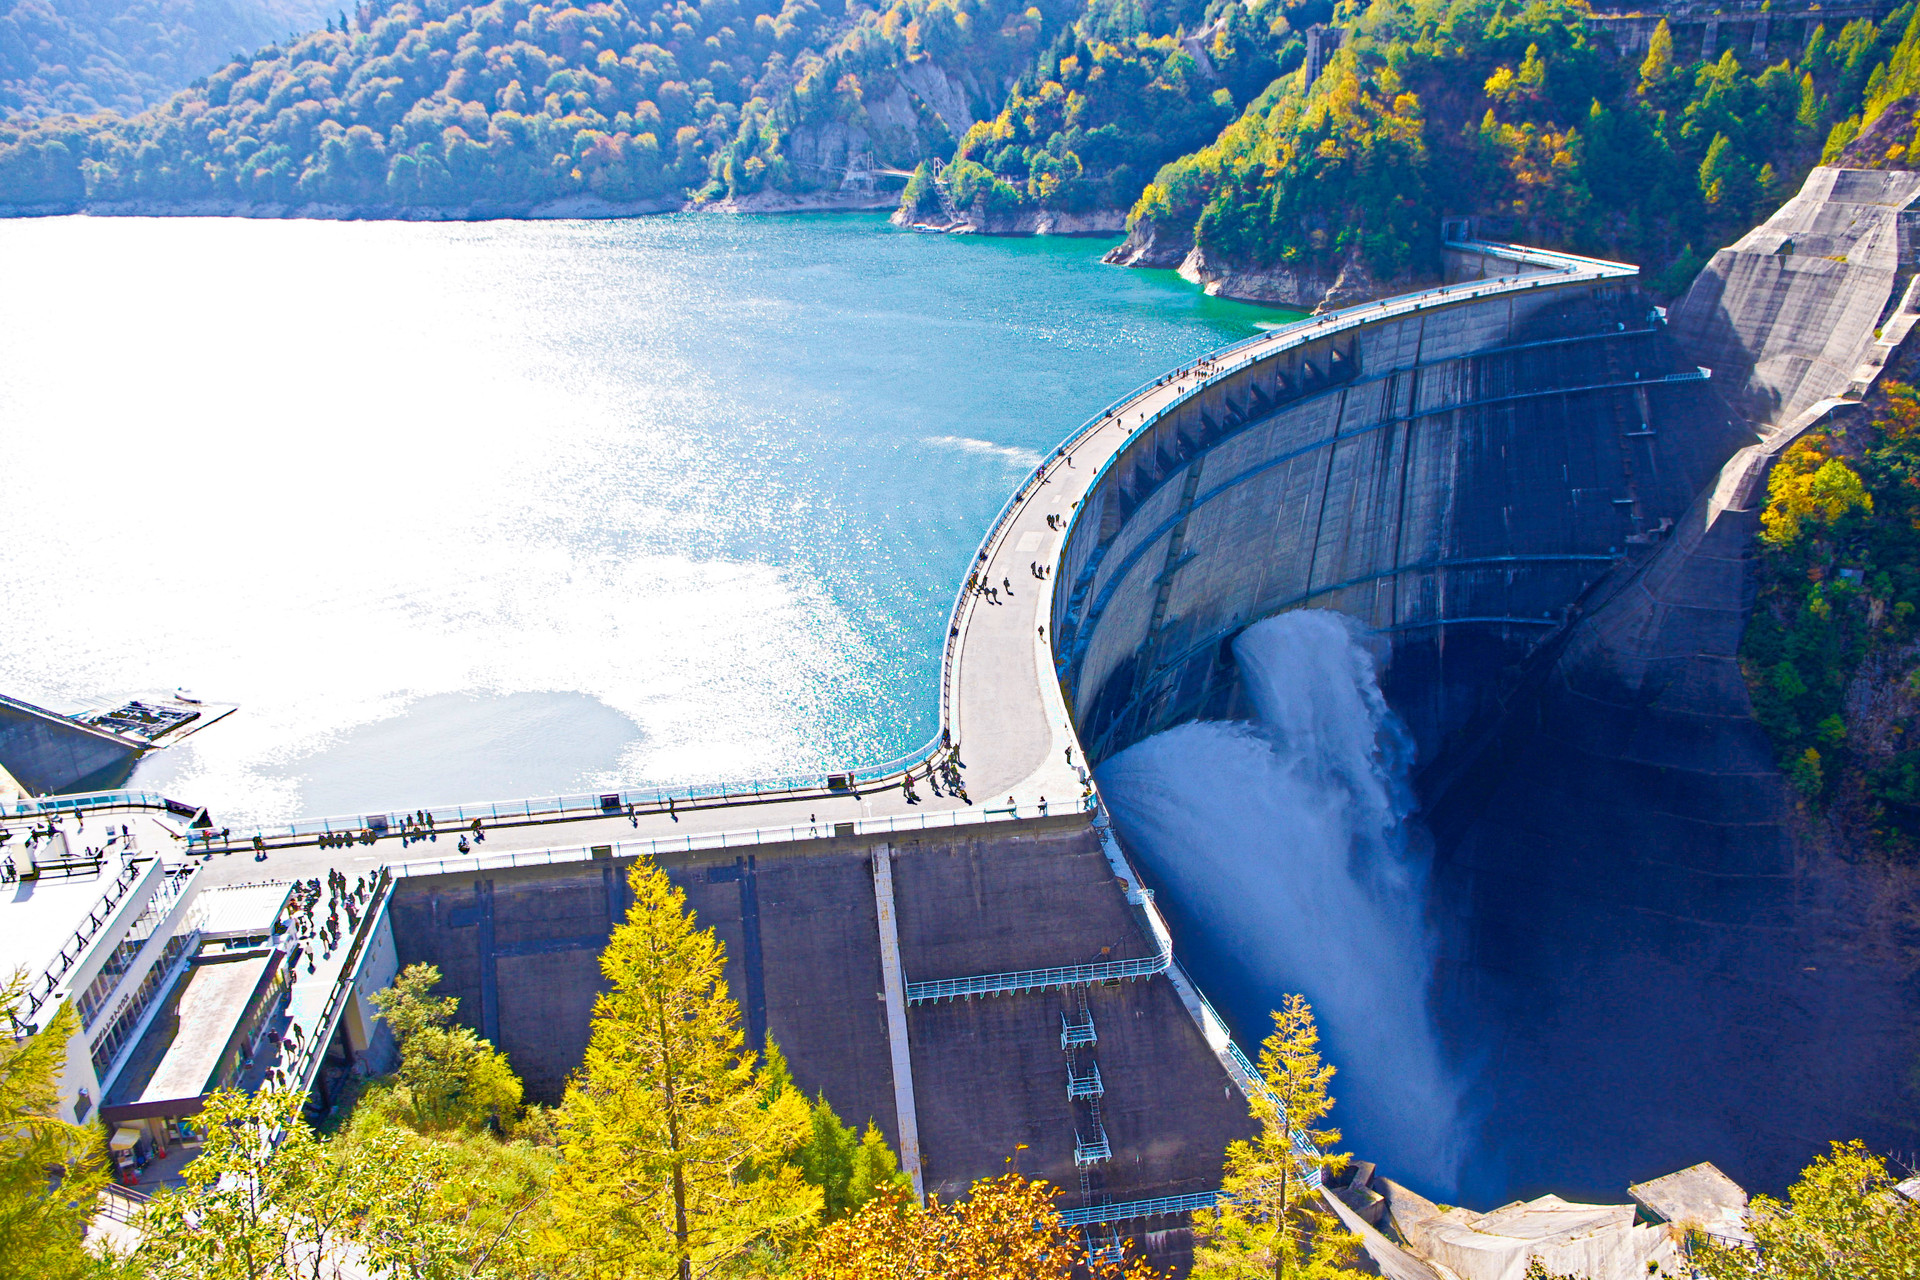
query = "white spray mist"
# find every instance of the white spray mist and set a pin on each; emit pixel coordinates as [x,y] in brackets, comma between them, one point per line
[1287,850]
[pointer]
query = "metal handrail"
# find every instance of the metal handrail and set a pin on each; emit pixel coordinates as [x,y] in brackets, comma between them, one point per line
[994,984]
[41,989]
[1127,1210]
[1089,1085]
[1086,1153]
[736,838]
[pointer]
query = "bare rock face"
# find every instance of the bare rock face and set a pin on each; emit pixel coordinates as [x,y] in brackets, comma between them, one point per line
[800,202]
[1027,222]
[1312,288]
[1149,244]
[1050,222]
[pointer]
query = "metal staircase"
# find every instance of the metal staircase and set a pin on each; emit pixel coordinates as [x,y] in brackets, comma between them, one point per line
[943,189]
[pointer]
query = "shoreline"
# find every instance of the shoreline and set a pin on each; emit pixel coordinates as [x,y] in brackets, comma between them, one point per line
[588,208]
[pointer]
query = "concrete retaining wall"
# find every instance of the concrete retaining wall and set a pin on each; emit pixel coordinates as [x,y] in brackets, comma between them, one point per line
[1786,316]
[520,950]
[48,754]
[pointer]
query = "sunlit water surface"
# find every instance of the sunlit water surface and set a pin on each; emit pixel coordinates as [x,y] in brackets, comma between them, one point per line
[480,511]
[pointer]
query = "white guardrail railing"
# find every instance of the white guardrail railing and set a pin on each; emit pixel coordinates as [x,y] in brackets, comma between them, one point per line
[742,838]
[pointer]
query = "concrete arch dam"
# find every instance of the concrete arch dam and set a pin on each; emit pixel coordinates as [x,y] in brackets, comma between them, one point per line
[1521,488]
[1542,511]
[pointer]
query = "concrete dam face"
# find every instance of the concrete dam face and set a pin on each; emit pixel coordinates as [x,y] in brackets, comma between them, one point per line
[1626,965]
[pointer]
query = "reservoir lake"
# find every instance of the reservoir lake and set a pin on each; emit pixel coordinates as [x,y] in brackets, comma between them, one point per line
[477,511]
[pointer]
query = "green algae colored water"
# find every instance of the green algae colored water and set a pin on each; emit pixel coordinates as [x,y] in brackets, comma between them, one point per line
[466,511]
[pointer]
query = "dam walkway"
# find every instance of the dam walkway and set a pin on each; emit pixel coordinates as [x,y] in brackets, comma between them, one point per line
[1001,706]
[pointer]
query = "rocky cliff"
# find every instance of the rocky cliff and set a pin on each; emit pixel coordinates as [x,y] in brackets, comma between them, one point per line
[1658,951]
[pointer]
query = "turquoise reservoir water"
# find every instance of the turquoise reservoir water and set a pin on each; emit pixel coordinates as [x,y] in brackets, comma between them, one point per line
[477,511]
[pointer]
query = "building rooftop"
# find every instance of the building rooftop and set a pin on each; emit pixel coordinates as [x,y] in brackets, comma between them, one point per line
[183,1047]
[242,910]
[48,926]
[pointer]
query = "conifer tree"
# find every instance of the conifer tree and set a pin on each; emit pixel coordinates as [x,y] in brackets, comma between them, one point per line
[1272,1223]
[875,1169]
[673,1152]
[1656,69]
[50,1170]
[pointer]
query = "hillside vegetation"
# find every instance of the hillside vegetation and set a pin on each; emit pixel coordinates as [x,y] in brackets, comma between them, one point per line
[1121,92]
[1519,115]
[86,56]
[509,104]
[1193,114]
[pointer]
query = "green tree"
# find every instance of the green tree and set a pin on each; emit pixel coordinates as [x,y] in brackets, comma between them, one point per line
[672,1152]
[849,1168]
[261,1201]
[268,1200]
[50,1171]
[452,1078]
[1842,1218]
[876,1171]
[1272,1222]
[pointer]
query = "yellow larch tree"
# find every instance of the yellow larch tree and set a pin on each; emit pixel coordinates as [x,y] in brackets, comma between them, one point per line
[673,1151]
[1272,1220]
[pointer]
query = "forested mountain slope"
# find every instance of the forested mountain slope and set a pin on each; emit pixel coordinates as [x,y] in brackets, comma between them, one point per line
[1521,116]
[503,106]
[1194,114]
[86,56]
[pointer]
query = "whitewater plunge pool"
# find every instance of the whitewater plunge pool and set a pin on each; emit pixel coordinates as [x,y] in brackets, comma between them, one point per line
[475,511]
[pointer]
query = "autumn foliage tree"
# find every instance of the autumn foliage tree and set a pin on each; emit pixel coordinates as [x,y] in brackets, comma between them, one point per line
[674,1154]
[1844,1217]
[1272,1220]
[1006,1227]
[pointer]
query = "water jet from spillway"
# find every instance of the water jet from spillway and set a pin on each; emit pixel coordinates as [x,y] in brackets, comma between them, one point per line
[1289,859]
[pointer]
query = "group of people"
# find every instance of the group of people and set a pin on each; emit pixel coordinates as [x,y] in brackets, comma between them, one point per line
[341,898]
[1038,570]
[984,587]
[944,767]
